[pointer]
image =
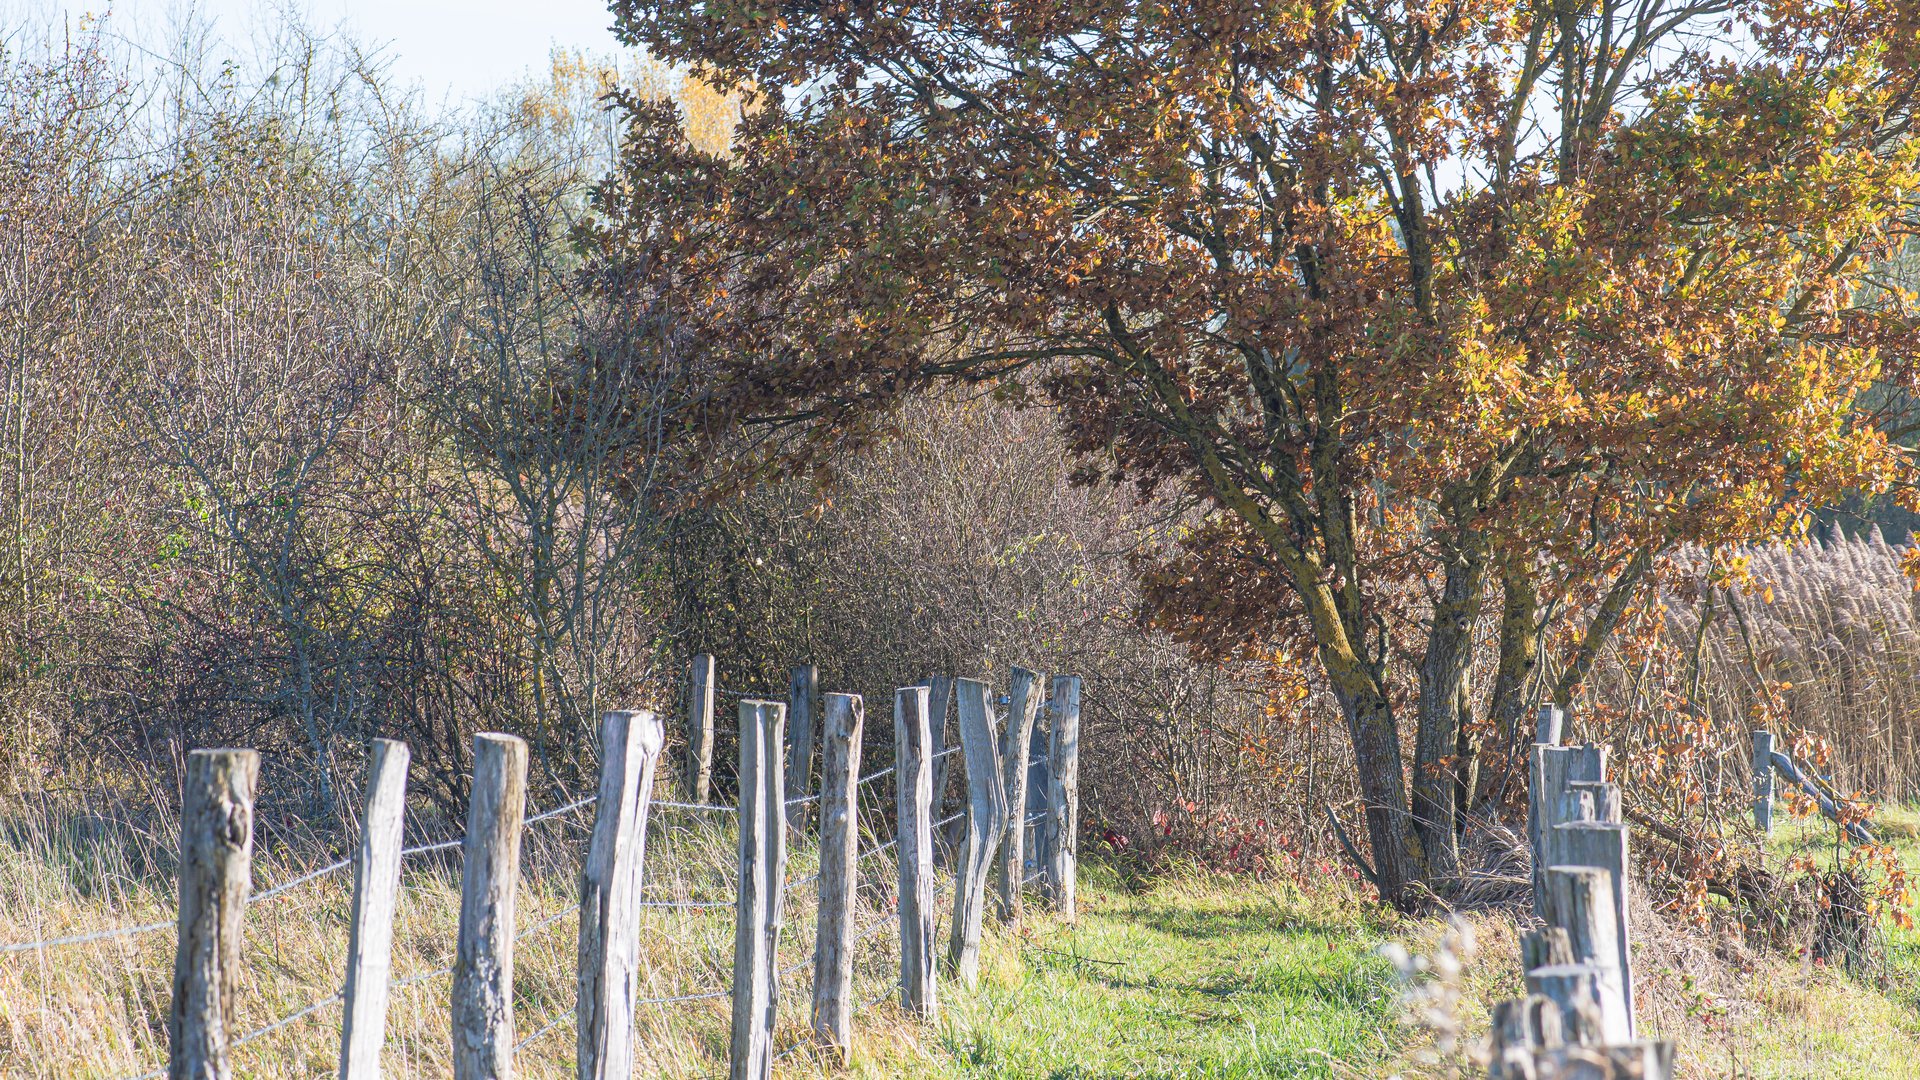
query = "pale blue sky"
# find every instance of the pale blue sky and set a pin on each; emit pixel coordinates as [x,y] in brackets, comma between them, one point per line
[454,50]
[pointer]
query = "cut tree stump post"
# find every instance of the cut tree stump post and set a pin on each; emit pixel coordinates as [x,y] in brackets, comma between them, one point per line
[483,959]
[1602,846]
[1039,789]
[804,697]
[1063,806]
[759,896]
[1763,782]
[1551,770]
[845,720]
[986,823]
[609,954]
[1574,805]
[216,876]
[1606,799]
[1580,901]
[939,709]
[697,771]
[913,807]
[1545,947]
[1550,726]
[1023,707]
[376,889]
[1575,988]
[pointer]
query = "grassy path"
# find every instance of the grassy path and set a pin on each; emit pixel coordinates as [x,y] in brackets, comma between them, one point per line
[1186,980]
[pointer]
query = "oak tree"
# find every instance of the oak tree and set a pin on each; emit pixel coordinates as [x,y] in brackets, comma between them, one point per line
[1428,305]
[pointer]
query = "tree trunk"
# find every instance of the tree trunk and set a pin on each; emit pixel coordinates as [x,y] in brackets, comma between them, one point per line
[1519,655]
[1397,860]
[1443,672]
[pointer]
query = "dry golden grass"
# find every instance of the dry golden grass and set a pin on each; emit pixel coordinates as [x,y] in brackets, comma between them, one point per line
[98,1009]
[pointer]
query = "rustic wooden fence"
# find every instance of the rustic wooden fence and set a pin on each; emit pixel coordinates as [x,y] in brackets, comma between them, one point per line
[1029,762]
[1577,1019]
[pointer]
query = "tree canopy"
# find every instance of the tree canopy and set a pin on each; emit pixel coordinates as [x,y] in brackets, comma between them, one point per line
[1422,304]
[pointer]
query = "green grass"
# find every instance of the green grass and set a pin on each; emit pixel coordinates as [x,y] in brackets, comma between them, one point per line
[1191,978]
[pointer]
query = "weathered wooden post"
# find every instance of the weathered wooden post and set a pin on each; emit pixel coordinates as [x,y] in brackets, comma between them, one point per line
[939,710]
[1063,806]
[697,772]
[376,889]
[804,697]
[1606,798]
[1549,727]
[845,719]
[1033,824]
[1024,706]
[1551,770]
[1580,901]
[1575,988]
[609,956]
[759,896]
[913,806]
[1763,782]
[986,824]
[1602,846]
[483,958]
[216,875]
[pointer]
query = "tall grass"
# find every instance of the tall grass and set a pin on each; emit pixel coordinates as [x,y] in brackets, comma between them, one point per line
[1817,641]
[99,1009]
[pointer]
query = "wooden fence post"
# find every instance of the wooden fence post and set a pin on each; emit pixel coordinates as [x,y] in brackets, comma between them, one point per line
[939,709]
[1580,901]
[1039,791]
[913,806]
[376,889]
[1063,821]
[1024,706]
[697,772]
[1763,782]
[1602,846]
[804,697]
[845,720]
[760,895]
[1575,988]
[1550,726]
[1606,799]
[1551,770]
[216,875]
[986,823]
[483,960]
[609,956]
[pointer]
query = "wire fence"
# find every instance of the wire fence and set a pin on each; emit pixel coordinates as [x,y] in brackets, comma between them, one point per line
[874,885]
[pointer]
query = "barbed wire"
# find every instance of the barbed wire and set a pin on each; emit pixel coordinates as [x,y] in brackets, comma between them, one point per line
[710,808]
[94,935]
[558,810]
[553,1021]
[287,886]
[291,1018]
[871,777]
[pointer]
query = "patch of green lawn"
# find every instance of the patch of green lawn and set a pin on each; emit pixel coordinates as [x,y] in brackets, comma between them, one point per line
[1192,978]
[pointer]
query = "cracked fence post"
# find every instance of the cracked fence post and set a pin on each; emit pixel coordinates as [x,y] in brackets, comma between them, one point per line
[986,822]
[216,875]
[844,719]
[697,771]
[913,805]
[610,884]
[1063,806]
[483,960]
[1023,708]
[801,723]
[1763,782]
[376,888]
[759,900]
